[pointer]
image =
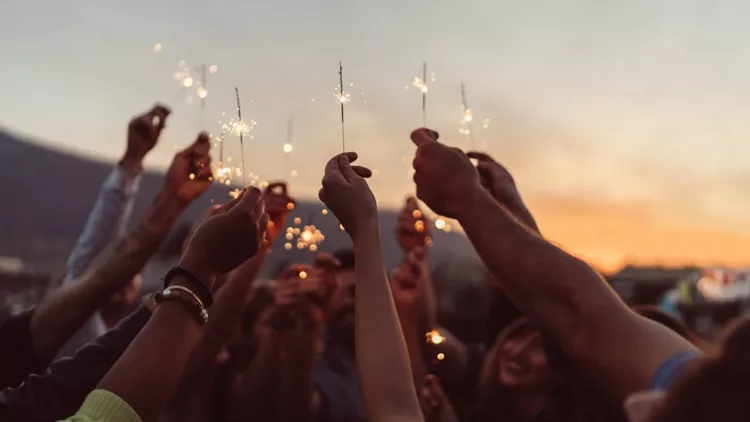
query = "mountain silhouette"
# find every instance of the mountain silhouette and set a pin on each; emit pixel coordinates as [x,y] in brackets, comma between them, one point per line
[46,195]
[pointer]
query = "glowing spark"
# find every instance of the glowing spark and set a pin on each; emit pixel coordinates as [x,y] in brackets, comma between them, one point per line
[324,212]
[187,82]
[297,221]
[440,224]
[287,148]
[202,93]
[213,68]
[485,123]
[293,173]
[440,356]
[302,275]
[420,84]
[287,246]
[434,337]
[157,47]
[192,176]
[416,214]
[290,206]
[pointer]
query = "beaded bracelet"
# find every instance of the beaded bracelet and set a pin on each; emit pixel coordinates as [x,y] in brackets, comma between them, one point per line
[186,296]
[202,292]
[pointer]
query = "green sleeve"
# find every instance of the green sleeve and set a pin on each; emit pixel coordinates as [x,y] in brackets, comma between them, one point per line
[103,406]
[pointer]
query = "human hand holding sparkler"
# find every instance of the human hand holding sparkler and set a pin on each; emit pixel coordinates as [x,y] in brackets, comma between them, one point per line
[412,227]
[277,206]
[445,177]
[498,181]
[189,175]
[143,132]
[413,292]
[347,194]
[227,237]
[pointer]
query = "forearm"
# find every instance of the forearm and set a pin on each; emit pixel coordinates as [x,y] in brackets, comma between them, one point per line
[258,381]
[226,313]
[382,357]
[296,381]
[64,310]
[149,370]
[414,337]
[547,284]
[107,219]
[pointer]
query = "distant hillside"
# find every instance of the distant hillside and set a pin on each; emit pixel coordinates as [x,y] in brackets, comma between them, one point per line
[46,195]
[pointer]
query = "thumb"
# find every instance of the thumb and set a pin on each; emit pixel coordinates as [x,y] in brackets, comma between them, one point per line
[200,146]
[424,136]
[249,200]
[345,165]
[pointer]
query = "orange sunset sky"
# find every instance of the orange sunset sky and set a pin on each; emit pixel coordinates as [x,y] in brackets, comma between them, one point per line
[625,123]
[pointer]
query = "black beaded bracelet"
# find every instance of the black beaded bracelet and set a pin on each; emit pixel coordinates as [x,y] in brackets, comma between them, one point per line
[200,289]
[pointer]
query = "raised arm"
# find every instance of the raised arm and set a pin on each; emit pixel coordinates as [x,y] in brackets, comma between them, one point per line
[111,211]
[561,294]
[145,377]
[67,308]
[227,312]
[381,355]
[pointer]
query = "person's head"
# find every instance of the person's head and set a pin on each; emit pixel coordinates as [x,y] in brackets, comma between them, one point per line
[713,388]
[341,323]
[464,298]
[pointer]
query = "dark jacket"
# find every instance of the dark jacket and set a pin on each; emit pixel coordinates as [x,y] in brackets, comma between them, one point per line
[62,389]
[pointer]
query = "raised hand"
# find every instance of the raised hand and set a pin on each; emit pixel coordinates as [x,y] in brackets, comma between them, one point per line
[500,184]
[277,206]
[143,132]
[412,227]
[434,402]
[189,175]
[227,237]
[410,281]
[445,177]
[347,194]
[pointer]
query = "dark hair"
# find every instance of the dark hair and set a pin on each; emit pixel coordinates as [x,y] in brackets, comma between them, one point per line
[713,388]
[346,258]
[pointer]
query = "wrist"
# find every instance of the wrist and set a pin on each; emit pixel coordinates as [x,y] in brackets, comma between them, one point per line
[131,162]
[205,276]
[475,199]
[368,228]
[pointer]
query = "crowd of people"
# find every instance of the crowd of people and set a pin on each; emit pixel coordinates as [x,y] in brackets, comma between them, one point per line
[539,337]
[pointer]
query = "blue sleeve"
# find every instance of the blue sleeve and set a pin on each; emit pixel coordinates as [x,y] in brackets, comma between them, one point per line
[671,368]
[106,223]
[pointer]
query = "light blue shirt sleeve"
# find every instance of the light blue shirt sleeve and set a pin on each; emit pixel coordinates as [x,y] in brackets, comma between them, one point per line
[671,368]
[106,222]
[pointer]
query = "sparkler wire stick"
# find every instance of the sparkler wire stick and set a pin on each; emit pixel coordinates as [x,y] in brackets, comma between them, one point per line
[342,100]
[242,146]
[467,109]
[424,94]
[203,99]
[289,133]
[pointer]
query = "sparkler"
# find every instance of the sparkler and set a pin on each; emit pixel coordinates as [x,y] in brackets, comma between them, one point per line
[288,145]
[421,85]
[424,95]
[467,117]
[307,237]
[242,128]
[342,98]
